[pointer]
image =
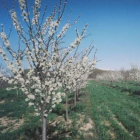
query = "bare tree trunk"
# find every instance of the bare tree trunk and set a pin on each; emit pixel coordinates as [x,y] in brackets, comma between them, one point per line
[78,93]
[66,105]
[126,85]
[17,92]
[44,133]
[75,98]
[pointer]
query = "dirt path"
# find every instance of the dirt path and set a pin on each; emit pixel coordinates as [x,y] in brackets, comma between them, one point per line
[90,114]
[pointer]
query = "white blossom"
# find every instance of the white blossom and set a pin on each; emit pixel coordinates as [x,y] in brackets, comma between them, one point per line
[30,104]
[31,97]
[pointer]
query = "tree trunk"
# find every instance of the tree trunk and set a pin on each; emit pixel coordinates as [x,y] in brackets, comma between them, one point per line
[66,106]
[75,98]
[44,133]
[126,85]
[17,92]
[78,93]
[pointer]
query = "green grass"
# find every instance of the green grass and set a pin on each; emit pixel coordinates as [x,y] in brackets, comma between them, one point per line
[118,109]
[114,110]
[14,107]
[132,87]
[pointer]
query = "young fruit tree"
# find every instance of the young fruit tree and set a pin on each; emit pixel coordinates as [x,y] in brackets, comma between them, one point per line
[135,73]
[39,45]
[77,69]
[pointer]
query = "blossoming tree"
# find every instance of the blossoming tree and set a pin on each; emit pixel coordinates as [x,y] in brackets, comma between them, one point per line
[110,77]
[39,45]
[77,68]
[135,73]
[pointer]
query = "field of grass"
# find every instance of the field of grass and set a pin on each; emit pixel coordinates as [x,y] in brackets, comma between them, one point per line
[116,114]
[113,112]
[130,87]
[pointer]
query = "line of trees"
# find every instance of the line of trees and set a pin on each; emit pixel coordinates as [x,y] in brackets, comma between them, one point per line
[120,76]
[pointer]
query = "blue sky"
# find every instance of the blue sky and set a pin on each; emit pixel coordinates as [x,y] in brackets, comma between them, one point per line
[114,26]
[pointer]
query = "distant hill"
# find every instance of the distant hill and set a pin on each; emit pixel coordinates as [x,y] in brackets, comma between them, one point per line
[96,72]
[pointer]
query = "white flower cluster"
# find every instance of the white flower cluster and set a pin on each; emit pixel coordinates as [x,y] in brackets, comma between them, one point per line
[111,76]
[52,27]
[76,73]
[36,12]
[23,9]
[3,54]
[135,73]
[64,29]
[46,25]
[37,3]
[22,4]
[76,42]
[5,40]
[15,20]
